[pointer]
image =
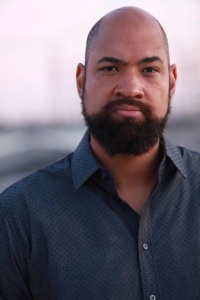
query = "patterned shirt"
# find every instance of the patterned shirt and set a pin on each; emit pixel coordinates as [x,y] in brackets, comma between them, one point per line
[66,235]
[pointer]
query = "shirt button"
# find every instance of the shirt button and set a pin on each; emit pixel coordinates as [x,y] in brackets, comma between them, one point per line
[146,247]
[152,297]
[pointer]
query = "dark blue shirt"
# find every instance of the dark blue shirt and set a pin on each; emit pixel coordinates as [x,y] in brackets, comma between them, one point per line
[66,235]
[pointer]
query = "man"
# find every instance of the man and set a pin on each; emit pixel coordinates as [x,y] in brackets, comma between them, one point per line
[120,217]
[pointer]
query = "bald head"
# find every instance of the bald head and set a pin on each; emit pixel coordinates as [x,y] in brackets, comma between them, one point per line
[124,17]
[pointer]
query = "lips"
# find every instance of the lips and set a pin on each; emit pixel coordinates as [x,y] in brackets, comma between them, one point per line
[127,110]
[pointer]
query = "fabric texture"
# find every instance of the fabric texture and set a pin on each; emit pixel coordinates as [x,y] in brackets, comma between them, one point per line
[66,234]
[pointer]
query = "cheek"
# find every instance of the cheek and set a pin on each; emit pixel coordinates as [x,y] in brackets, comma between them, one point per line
[160,101]
[164,104]
[96,95]
[164,92]
[92,98]
[96,86]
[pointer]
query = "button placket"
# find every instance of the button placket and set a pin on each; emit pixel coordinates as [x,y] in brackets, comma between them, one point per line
[147,267]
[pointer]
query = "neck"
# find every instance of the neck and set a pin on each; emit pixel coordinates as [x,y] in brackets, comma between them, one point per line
[134,175]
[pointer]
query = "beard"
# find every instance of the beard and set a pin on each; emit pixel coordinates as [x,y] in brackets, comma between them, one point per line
[125,135]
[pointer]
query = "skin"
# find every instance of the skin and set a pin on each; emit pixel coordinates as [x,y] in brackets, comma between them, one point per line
[128,58]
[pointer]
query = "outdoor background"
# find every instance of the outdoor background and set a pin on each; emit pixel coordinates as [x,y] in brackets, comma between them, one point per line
[41,42]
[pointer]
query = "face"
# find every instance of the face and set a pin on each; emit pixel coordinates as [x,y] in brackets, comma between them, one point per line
[127,86]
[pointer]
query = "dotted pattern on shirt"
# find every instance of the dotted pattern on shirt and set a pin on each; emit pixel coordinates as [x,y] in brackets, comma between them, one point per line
[65,234]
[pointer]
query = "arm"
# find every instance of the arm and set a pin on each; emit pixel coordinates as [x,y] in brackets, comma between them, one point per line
[14,283]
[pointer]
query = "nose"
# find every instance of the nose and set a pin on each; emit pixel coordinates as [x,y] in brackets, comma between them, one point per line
[129,85]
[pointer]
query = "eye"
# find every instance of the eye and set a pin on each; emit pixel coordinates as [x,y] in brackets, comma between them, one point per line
[150,70]
[110,69]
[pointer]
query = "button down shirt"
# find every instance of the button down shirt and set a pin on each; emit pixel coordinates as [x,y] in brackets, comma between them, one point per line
[66,234]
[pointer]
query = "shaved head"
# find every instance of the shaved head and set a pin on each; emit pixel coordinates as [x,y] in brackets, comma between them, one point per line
[124,14]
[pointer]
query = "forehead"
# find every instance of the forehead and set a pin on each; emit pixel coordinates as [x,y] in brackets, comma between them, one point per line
[129,35]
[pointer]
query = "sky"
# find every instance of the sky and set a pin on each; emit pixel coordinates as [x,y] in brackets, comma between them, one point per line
[41,42]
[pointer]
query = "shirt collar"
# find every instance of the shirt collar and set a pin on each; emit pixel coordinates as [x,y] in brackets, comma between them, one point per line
[84,162]
[174,154]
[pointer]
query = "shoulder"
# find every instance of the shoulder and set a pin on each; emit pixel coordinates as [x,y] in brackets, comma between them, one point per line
[38,186]
[186,160]
[190,156]
[191,165]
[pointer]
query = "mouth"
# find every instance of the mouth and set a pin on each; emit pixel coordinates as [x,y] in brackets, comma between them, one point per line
[126,110]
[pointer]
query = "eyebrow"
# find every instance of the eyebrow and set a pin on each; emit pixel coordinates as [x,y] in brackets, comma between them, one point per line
[111,60]
[115,60]
[150,60]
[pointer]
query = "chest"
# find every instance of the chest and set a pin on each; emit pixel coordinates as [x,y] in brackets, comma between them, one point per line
[98,248]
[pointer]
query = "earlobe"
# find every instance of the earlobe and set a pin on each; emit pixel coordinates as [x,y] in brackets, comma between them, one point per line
[173,78]
[80,79]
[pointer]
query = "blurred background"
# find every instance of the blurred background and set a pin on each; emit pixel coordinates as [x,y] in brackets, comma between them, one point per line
[41,42]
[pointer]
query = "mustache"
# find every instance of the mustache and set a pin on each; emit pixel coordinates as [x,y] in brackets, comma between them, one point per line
[144,107]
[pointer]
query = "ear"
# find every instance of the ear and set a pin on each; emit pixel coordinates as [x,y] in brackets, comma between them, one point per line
[80,78]
[172,78]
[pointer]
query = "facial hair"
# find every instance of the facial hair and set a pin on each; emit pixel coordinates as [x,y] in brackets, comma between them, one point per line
[125,135]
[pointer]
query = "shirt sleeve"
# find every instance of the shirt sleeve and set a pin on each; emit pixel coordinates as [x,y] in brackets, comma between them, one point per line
[13,257]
